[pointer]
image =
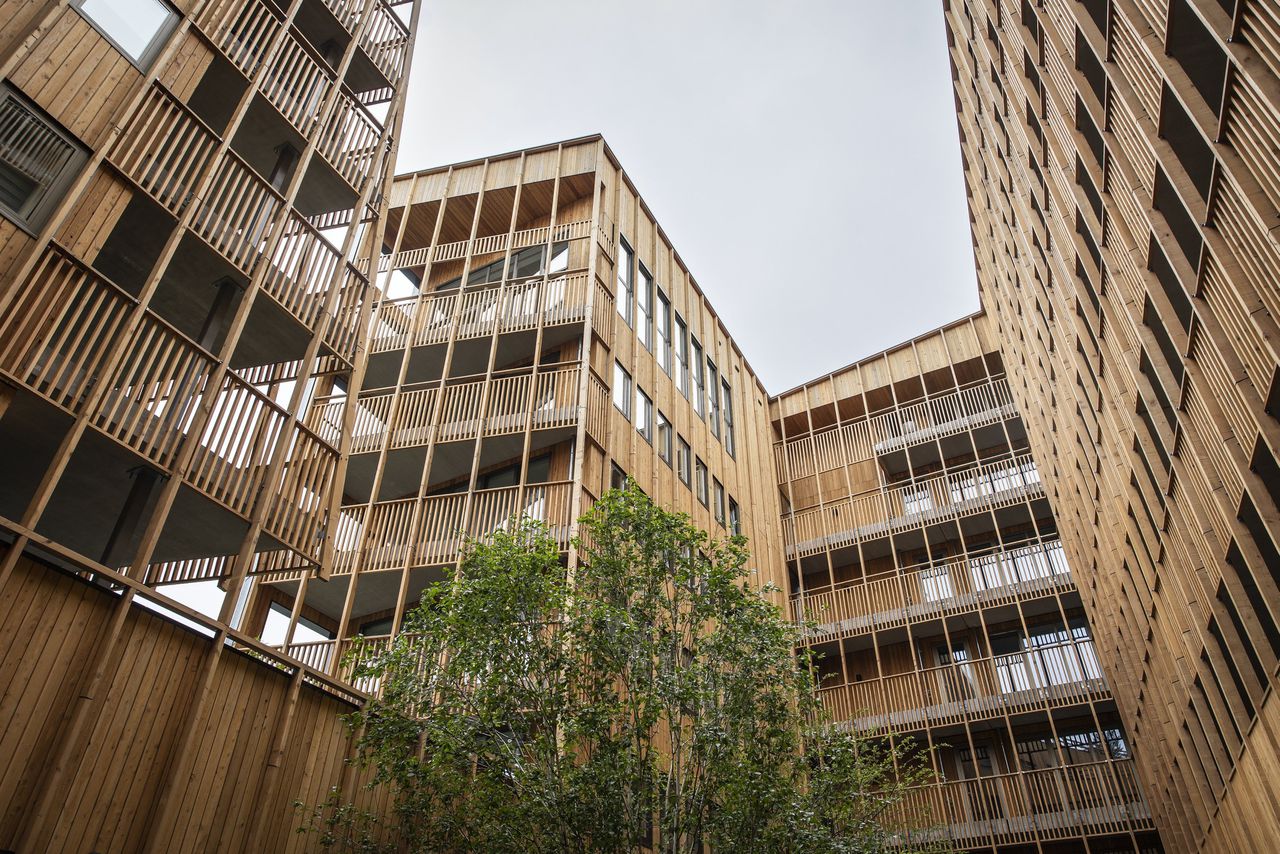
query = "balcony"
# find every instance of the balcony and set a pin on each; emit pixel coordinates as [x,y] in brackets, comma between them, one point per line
[436,318]
[1048,803]
[418,416]
[980,488]
[947,415]
[1050,676]
[412,532]
[487,245]
[934,591]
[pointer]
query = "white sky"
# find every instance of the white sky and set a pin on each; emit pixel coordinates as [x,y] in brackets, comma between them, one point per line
[802,155]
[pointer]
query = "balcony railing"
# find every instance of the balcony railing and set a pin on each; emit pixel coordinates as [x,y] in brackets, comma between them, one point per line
[947,415]
[430,531]
[514,306]
[546,401]
[487,245]
[1048,803]
[1057,675]
[933,591]
[950,496]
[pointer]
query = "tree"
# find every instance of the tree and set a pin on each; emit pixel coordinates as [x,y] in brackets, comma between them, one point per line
[653,696]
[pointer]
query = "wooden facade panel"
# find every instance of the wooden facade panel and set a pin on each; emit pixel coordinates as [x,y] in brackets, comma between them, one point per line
[95,216]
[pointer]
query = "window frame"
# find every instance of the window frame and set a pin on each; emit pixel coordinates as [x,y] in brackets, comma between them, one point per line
[717,492]
[143,61]
[735,518]
[701,484]
[684,461]
[726,405]
[625,282]
[35,218]
[644,306]
[662,331]
[713,397]
[699,384]
[644,413]
[664,431]
[622,380]
[682,356]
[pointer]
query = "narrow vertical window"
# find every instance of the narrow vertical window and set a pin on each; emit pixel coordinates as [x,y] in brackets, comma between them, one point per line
[699,379]
[735,518]
[664,438]
[625,295]
[617,477]
[644,415]
[726,401]
[684,459]
[682,356]
[718,492]
[644,303]
[622,390]
[663,323]
[700,479]
[713,398]
[36,161]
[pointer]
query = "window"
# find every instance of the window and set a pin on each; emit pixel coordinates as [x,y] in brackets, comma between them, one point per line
[683,457]
[617,477]
[713,398]
[622,390]
[700,478]
[718,492]
[135,27]
[726,395]
[682,356]
[644,317]
[626,284]
[36,161]
[735,518]
[664,439]
[663,322]
[644,415]
[699,380]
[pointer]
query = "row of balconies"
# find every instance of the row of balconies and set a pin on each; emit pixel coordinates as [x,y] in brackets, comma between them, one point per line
[81,342]
[894,509]
[934,591]
[434,413]
[1049,803]
[1045,677]
[947,415]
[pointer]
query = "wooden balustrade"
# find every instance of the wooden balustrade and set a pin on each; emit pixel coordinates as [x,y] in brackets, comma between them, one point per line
[1051,676]
[237,445]
[598,404]
[386,40]
[602,313]
[982,487]
[1047,803]
[947,415]
[237,213]
[932,591]
[317,655]
[349,141]
[164,148]
[485,245]
[298,510]
[60,328]
[391,539]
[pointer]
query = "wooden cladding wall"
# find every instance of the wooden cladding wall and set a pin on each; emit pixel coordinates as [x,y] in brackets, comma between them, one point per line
[126,787]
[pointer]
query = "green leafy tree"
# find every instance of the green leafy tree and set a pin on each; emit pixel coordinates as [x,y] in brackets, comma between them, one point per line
[651,698]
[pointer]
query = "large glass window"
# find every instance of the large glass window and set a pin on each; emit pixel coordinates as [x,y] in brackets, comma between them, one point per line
[682,356]
[36,161]
[663,323]
[726,399]
[136,27]
[622,389]
[699,379]
[664,438]
[624,293]
[644,415]
[644,303]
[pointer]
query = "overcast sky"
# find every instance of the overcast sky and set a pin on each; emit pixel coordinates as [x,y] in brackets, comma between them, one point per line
[802,155]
